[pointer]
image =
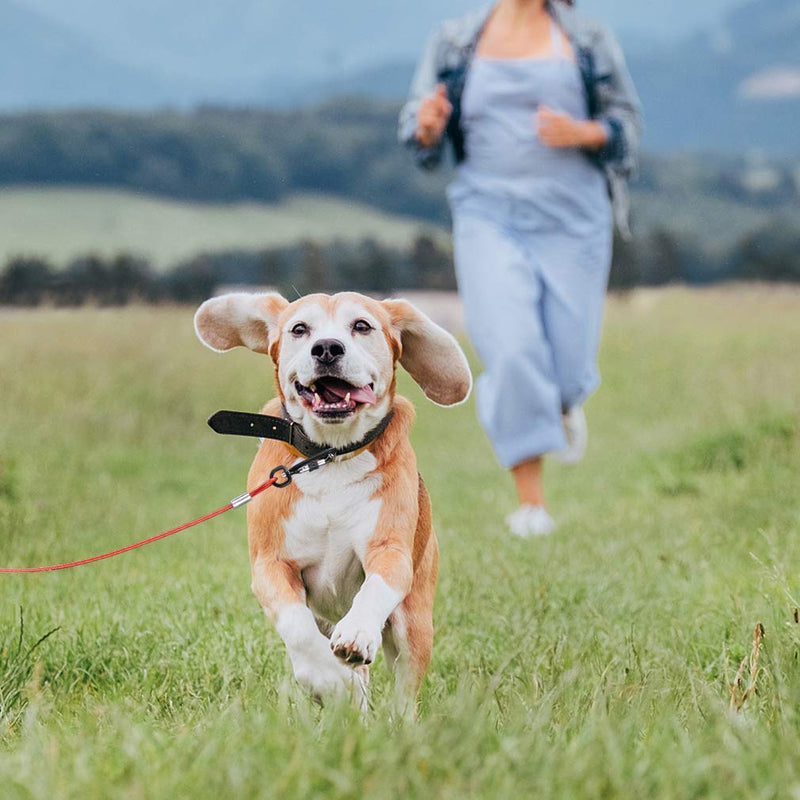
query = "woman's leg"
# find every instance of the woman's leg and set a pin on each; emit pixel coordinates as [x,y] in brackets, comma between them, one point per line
[531,518]
[529,483]
[575,277]
[518,397]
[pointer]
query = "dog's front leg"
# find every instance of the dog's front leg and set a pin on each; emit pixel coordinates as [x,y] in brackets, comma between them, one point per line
[389,572]
[279,588]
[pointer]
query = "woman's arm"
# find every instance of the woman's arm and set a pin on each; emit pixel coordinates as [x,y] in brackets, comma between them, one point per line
[423,87]
[618,107]
[562,130]
[434,112]
[614,132]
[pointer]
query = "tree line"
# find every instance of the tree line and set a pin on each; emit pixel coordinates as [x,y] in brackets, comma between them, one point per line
[659,257]
[309,266]
[656,259]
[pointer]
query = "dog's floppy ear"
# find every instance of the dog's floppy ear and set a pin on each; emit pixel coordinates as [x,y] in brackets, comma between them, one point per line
[239,319]
[430,355]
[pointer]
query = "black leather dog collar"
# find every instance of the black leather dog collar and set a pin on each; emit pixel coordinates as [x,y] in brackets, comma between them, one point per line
[240,423]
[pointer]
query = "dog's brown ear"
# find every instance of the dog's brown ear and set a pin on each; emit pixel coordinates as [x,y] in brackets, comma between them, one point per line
[430,355]
[239,320]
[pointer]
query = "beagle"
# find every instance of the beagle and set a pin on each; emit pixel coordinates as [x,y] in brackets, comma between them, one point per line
[345,558]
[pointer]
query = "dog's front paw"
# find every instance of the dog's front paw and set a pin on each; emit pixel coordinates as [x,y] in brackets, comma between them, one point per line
[355,640]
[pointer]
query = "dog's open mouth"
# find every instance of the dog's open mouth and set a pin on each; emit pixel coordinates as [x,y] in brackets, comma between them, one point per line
[334,398]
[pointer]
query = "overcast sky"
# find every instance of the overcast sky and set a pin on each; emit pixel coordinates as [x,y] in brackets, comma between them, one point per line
[208,38]
[668,17]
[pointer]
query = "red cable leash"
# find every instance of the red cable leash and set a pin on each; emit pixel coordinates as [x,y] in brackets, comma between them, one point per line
[280,477]
[235,503]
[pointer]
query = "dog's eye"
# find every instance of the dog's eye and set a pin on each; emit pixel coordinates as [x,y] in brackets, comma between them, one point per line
[300,329]
[362,326]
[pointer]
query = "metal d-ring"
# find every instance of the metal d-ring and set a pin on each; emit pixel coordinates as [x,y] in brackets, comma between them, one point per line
[287,476]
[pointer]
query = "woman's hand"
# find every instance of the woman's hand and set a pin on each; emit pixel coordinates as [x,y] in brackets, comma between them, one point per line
[561,130]
[434,112]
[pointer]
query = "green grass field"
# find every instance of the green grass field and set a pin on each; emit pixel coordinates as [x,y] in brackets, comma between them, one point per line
[62,223]
[598,663]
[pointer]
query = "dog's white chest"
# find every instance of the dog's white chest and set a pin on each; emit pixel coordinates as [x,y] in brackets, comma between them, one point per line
[328,531]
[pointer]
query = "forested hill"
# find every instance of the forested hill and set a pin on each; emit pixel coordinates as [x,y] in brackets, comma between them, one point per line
[346,148]
[697,219]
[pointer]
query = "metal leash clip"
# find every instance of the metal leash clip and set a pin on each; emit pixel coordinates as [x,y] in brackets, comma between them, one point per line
[309,465]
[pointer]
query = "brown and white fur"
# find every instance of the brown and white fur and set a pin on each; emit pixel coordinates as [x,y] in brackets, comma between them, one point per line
[344,559]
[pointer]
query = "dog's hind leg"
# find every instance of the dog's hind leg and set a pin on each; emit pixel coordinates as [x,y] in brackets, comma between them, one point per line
[407,644]
[390,650]
[408,635]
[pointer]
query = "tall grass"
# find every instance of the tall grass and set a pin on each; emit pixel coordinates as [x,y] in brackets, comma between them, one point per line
[615,658]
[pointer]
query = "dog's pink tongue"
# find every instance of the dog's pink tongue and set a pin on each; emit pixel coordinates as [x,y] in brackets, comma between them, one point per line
[364,394]
[340,389]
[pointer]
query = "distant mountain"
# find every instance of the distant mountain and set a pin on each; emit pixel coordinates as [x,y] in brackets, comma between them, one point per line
[238,50]
[45,64]
[249,50]
[384,81]
[736,87]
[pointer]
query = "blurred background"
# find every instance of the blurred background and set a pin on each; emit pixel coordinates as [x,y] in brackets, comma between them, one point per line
[156,151]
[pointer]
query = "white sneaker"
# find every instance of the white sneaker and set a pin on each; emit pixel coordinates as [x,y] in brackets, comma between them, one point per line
[529,521]
[577,433]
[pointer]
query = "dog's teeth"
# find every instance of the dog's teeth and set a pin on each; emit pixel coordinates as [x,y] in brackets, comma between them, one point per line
[313,387]
[347,398]
[317,399]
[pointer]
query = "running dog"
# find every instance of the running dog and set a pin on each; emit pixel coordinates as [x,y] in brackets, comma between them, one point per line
[345,558]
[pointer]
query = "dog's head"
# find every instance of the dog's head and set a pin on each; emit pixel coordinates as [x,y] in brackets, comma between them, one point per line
[335,356]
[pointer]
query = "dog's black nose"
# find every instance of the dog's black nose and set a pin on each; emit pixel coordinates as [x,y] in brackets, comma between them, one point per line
[326,351]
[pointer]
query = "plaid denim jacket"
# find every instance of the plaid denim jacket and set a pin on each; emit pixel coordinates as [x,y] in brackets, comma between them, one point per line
[609,91]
